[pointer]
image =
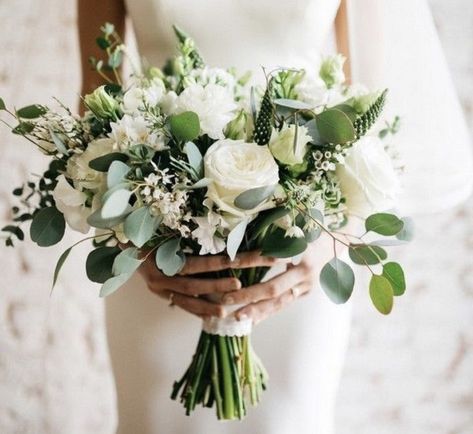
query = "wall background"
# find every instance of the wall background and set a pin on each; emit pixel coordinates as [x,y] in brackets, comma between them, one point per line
[411,373]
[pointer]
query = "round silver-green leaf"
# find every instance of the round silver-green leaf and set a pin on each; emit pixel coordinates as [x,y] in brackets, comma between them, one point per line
[337,280]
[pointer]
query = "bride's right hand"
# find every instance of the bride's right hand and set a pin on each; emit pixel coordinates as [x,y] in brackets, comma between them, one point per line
[185,291]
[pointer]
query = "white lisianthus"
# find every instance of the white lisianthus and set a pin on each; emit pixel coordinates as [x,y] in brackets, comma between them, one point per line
[331,70]
[136,97]
[207,233]
[367,178]
[235,166]
[282,146]
[213,104]
[71,203]
[169,102]
[207,75]
[313,90]
[78,166]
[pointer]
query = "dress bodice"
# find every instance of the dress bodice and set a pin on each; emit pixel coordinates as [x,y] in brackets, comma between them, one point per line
[245,34]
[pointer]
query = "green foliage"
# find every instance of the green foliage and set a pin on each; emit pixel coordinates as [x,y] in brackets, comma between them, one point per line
[276,244]
[116,173]
[59,264]
[97,220]
[169,258]
[363,254]
[250,199]
[337,280]
[381,294]
[126,262]
[265,219]
[264,120]
[116,204]
[23,128]
[48,227]
[185,126]
[384,224]
[31,112]
[140,226]
[187,47]
[334,126]
[395,274]
[99,263]
[408,230]
[390,128]
[58,142]
[235,238]
[195,158]
[365,121]
[2,104]
[285,81]
[102,164]
[112,284]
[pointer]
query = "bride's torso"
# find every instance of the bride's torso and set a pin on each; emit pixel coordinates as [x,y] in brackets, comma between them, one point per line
[246,34]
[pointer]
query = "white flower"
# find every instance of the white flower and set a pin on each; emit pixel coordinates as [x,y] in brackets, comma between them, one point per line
[71,203]
[234,167]
[206,233]
[78,166]
[213,104]
[331,70]
[367,178]
[294,232]
[312,90]
[169,102]
[282,146]
[136,97]
[207,75]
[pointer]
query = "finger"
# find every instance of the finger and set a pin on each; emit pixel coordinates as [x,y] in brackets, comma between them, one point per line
[189,286]
[266,290]
[198,306]
[202,264]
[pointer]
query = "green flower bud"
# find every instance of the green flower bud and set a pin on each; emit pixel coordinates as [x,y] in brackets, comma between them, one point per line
[331,70]
[236,129]
[284,149]
[101,103]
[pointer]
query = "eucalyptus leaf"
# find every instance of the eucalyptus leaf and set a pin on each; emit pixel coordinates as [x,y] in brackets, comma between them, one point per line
[23,128]
[140,226]
[31,111]
[47,227]
[395,274]
[337,280]
[265,219]
[250,199]
[59,265]
[235,237]
[116,204]
[116,173]
[292,104]
[363,254]
[334,126]
[112,284]
[169,258]
[201,183]
[60,146]
[348,110]
[194,157]
[102,164]
[2,104]
[185,126]
[99,263]
[276,244]
[408,230]
[97,221]
[126,262]
[381,293]
[384,224]
[313,132]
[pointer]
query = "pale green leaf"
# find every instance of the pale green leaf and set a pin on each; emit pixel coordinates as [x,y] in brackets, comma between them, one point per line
[250,199]
[381,293]
[384,224]
[337,280]
[112,284]
[169,258]
[116,173]
[395,274]
[235,237]
[140,226]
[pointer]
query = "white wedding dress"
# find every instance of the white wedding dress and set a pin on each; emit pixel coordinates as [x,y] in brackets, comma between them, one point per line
[394,45]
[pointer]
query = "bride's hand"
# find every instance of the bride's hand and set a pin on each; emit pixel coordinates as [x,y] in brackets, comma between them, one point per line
[184,290]
[264,299]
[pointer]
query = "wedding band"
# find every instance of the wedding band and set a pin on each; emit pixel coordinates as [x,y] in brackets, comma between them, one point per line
[171,299]
[296,291]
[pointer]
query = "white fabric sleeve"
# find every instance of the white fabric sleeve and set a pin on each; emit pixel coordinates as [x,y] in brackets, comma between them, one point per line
[394,44]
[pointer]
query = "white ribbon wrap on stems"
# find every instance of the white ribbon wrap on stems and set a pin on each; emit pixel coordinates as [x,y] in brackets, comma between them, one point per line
[229,325]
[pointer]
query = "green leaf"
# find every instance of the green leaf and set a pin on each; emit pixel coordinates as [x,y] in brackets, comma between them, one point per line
[313,132]
[395,274]
[102,43]
[23,128]
[59,264]
[194,157]
[97,221]
[250,199]
[99,263]
[140,226]
[47,227]
[32,111]
[201,183]
[116,173]
[408,231]
[60,146]
[15,230]
[334,126]
[185,126]
[381,294]
[115,59]
[348,110]
[102,164]
[279,246]
[169,258]
[112,284]
[265,219]
[363,254]
[337,280]
[235,237]
[292,104]
[2,104]
[116,204]
[384,224]
[313,234]
[126,262]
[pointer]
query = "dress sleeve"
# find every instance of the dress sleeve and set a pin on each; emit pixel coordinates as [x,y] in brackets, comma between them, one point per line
[394,44]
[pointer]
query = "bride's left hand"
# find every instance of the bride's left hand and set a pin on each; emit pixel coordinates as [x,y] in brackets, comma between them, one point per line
[266,298]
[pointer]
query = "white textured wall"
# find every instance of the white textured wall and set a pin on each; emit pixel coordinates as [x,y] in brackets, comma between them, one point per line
[410,373]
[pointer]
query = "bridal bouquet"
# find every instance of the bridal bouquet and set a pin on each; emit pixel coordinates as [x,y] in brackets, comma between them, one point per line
[193,160]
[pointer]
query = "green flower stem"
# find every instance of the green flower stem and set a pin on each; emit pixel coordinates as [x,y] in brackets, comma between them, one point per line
[228,402]
[216,383]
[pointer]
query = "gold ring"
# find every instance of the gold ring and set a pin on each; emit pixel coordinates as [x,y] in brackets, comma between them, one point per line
[296,291]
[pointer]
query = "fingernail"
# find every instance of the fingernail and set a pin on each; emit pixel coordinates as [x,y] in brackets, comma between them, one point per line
[235,262]
[238,284]
[228,300]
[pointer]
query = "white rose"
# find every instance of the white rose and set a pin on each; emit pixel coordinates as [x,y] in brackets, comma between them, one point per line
[213,104]
[235,166]
[71,203]
[367,178]
[282,144]
[78,165]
